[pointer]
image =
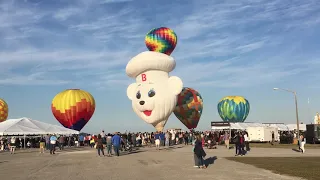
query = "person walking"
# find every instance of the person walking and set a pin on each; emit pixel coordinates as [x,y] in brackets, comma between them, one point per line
[53,141]
[116,142]
[302,143]
[61,142]
[241,145]
[109,145]
[99,145]
[199,152]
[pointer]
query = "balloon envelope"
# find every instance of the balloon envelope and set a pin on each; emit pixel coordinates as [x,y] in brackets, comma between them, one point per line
[73,108]
[189,107]
[233,108]
[3,110]
[162,40]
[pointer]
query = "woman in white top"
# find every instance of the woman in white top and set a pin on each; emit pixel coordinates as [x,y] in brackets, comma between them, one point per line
[12,145]
[302,143]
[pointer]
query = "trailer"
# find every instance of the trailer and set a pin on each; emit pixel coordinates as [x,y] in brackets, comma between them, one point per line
[262,134]
[313,133]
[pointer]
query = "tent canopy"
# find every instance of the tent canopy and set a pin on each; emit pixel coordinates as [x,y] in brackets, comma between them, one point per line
[26,126]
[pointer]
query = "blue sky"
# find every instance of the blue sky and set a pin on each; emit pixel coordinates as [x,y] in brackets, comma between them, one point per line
[231,48]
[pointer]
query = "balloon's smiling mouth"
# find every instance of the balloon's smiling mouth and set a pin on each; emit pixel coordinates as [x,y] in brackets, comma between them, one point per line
[147,112]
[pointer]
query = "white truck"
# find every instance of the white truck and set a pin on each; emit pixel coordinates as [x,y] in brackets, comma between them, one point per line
[262,134]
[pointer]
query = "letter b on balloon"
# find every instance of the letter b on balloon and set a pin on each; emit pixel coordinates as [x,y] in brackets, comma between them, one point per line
[143,77]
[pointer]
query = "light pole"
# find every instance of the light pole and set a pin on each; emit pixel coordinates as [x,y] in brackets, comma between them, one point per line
[296,103]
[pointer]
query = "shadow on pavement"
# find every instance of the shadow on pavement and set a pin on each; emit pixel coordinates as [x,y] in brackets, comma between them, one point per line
[125,153]
[172,147]
[296,150]
[210,160]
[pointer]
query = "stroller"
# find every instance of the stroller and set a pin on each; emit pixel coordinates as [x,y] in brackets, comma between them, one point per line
[211,144]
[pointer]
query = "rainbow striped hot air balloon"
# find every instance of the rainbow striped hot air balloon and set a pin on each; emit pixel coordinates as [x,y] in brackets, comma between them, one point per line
[73,108]
[189,107]
[233,108]
[3,110]
[162,40]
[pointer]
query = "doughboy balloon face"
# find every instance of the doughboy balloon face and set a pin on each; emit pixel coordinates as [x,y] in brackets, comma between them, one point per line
[154,101]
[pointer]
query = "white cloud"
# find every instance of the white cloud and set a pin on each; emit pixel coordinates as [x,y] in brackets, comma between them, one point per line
[65,13]
[114,1]
[217,42]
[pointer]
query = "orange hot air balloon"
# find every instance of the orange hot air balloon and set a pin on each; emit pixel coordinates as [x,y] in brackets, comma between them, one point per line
[73,108]
[3,110]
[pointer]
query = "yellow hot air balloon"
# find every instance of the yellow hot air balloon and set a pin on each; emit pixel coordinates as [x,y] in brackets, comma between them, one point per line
[3,110]
[73,108]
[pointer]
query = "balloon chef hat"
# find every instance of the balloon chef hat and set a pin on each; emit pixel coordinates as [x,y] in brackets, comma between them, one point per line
[153,67]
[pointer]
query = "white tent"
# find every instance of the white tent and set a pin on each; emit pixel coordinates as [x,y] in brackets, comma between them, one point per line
[281,127]
[302,127]
[26,126]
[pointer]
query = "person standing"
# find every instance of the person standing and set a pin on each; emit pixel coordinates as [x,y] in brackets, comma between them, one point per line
[173,138]
[241,145]
[12,145]
[53,141]
[157,140]
[167,137]
[196,161]
[246,141]
[116,142]
[134,139]
[272,136]
[47,142]
[61,142]
[237,143]
[226,140]
[81,140]
[162,138]
[42,144]
[185,136]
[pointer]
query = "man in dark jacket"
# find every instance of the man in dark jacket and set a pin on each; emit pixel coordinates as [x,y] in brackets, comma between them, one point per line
[133,137]
[236,140]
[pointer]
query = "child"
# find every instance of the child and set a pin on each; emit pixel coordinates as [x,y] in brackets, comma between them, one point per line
[196,161]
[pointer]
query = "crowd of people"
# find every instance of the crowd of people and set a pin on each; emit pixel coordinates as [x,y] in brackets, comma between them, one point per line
[116,142]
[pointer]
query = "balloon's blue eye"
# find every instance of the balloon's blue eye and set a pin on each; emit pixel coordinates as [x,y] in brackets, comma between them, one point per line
[138,95]
[151,93]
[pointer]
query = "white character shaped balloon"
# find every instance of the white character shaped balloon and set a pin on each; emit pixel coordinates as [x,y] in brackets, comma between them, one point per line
[154,94]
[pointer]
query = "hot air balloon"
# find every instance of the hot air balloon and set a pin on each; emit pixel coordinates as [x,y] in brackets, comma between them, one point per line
[162,40]
[73,108]
[233,108]
[189,107]
[3,110]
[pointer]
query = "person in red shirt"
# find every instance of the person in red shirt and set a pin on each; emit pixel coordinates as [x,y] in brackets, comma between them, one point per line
[241,145]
